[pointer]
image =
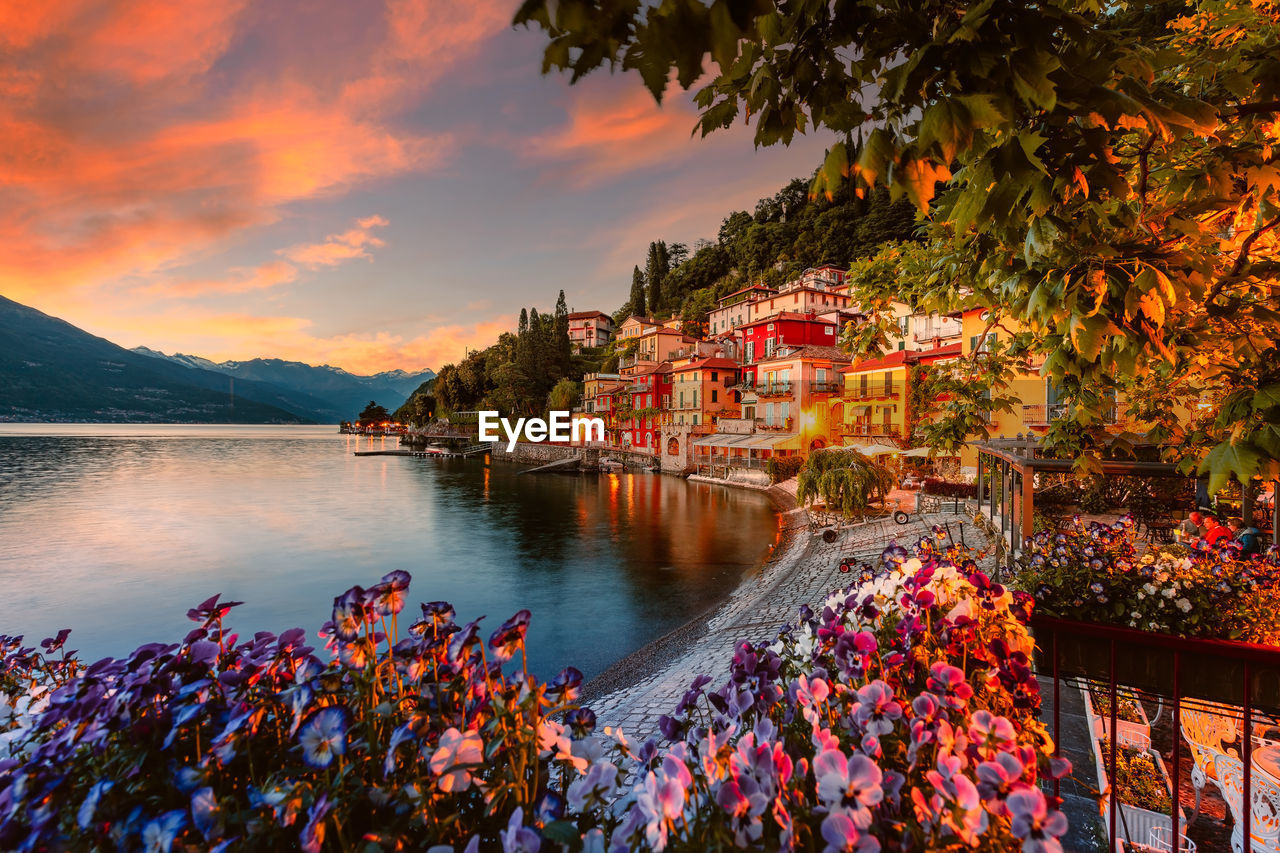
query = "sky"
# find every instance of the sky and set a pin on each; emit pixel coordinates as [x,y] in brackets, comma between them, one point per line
[372,185]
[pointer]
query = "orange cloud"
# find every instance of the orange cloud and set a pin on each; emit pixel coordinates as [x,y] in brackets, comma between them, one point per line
[132,148]
[238,280]
[609,134]
[336,248]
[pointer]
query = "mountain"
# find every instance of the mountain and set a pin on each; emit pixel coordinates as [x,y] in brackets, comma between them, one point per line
[343,394]
[52,371]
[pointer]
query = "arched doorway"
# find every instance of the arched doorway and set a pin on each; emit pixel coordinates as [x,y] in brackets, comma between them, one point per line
[673,446]
[817,444]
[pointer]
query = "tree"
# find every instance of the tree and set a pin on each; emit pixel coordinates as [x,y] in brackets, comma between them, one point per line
[694,311]
[656,274]
[637,292]
[561,346]
[1108,177]
[843,479]
[564,396]
[373,414]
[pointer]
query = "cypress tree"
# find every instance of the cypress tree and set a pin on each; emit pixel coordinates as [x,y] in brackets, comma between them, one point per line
[563,349]
[654,275]
[637,292]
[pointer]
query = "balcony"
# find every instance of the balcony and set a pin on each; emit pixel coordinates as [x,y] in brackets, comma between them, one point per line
[873,430]
[779,424]
[825,387]
[685,406]
[774,389]
[872,390]
[1035,415]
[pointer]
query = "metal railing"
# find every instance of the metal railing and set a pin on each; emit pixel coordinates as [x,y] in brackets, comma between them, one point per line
[774,389]
[856,390]
[782,424]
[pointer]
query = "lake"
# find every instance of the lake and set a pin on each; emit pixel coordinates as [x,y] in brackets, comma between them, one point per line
[115,531]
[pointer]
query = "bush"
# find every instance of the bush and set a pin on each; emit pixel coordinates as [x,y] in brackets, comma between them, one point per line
[782,468]
[947,489]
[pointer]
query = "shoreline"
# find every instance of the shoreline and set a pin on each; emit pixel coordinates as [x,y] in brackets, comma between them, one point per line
[647,660]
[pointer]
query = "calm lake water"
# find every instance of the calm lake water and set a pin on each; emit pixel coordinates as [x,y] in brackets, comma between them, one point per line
[114,531]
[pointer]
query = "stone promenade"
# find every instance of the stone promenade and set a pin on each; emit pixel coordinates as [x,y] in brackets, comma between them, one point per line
[804,573]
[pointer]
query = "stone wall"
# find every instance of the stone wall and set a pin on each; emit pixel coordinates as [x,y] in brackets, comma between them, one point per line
[533,453]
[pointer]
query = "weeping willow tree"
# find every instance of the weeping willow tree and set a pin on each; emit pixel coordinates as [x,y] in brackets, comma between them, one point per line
[844,479]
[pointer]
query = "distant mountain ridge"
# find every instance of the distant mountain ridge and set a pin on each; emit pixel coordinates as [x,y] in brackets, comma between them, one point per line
[343,393]
[52,371]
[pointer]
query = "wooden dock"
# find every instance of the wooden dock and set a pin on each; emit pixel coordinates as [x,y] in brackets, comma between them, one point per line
[473,450]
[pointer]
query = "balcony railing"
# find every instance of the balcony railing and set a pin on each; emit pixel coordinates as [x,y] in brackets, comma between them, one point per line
[825,387]
[686,406]
[782,424]
[774,389]
[1037,415]
[878,430]
[857,391]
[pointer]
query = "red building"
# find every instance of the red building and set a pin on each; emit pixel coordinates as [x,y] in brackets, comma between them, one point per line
[650,401]
[762,338]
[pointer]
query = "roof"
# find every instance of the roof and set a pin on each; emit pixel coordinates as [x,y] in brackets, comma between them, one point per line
[586,315]
[649,321]
[939,352]
[748,290]
[903,357]
[708,362]
[812,352]
[808,317]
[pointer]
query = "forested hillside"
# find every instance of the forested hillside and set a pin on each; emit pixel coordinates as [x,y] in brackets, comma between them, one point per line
[533,369]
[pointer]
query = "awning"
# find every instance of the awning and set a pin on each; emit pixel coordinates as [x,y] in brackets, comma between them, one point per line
[861,410]
[916,451]
[720,439]
[875,449]
[761,442]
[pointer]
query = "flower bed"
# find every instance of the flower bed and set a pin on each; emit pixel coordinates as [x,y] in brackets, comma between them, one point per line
[903,715]
[1094,574]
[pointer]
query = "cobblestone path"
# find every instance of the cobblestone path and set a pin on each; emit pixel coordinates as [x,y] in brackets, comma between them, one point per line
[804,574]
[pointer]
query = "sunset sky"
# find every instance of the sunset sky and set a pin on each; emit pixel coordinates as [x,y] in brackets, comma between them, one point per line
[366,184]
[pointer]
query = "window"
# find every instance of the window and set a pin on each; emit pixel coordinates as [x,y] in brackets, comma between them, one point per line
[831,330]
[769,347]
[863,379]
[820,375]
[714,376]
[768,414]
[751,351]
[784,412]
[977,344]
[888,383]
[714,395]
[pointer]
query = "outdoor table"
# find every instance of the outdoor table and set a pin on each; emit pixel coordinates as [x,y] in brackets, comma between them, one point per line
[1267,759]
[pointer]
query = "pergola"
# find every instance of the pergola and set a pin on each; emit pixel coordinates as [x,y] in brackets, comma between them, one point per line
[1011,466]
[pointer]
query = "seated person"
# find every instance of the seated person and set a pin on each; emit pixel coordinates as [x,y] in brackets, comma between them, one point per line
[1217,533]
[1247,538]
[1192,527]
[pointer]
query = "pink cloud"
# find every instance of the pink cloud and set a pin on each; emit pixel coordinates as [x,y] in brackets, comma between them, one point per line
[337,248]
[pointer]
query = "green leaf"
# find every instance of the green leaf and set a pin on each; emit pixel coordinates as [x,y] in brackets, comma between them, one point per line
[1088,335]
[1031,70]
[562,832]
[982,110]
[1267,397]
[1227,459]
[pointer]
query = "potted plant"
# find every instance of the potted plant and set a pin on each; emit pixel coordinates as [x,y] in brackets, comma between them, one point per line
[1143,790]
[1131,717]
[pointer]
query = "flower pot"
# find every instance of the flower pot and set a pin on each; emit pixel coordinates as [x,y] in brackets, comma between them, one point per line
[1100,724]
[1133,823]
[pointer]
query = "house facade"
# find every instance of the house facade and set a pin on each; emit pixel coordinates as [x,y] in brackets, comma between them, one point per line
[589,329]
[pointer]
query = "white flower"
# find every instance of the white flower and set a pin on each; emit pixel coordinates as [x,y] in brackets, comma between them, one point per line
[1184,605]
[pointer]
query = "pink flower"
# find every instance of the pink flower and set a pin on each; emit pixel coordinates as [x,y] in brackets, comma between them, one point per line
[456,752]
[876,711]
[991,734]
[1033,823]
[851,786]
[842,834]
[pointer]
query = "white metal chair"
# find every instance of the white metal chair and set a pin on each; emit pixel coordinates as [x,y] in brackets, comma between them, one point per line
[1205,729]
[1162,839]
[1264,806]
